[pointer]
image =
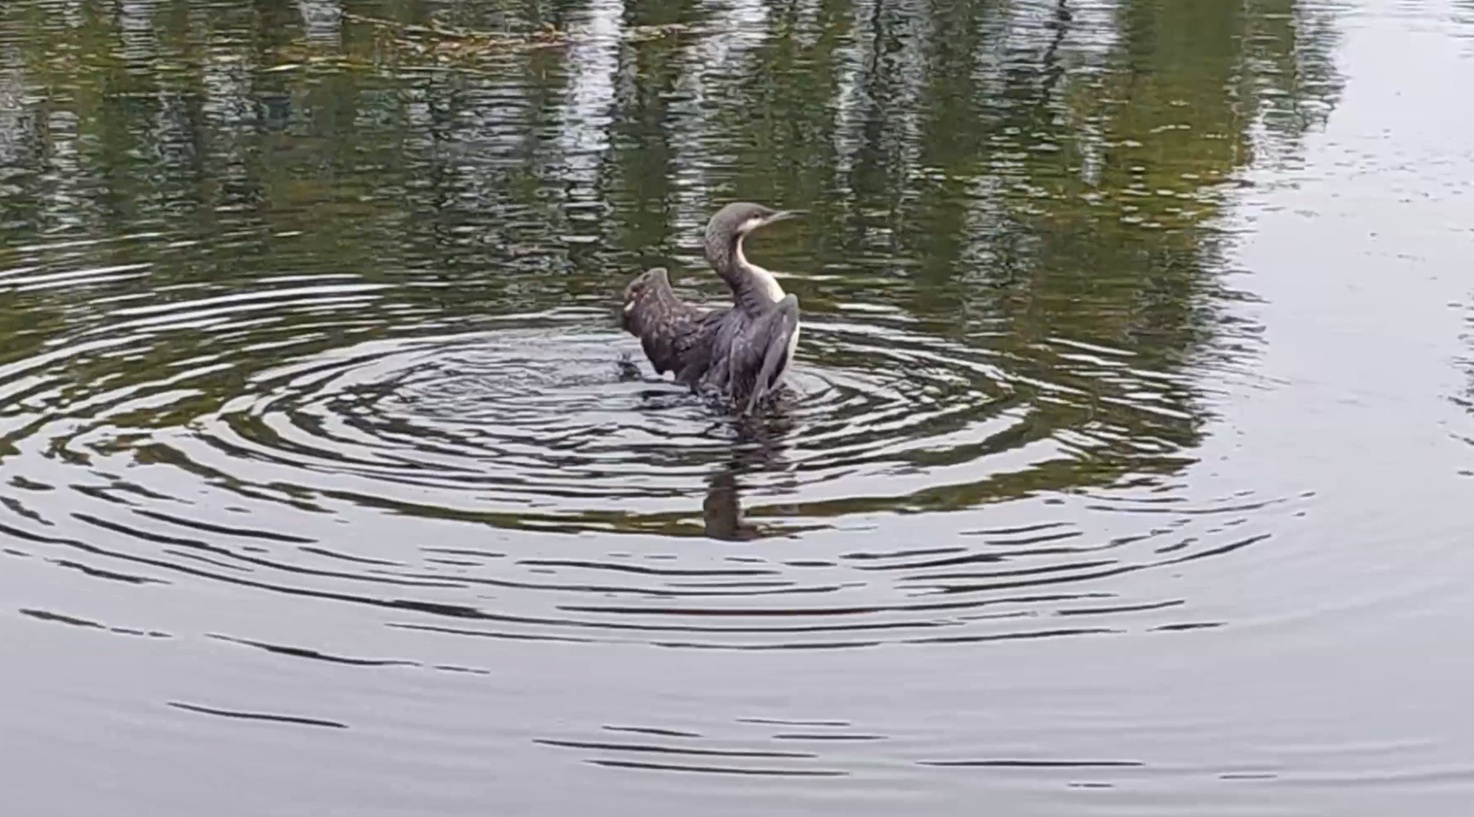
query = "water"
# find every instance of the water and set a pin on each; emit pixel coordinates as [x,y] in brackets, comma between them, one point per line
[1123,469]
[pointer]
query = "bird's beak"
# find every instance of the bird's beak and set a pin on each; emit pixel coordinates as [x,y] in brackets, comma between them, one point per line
[784,214]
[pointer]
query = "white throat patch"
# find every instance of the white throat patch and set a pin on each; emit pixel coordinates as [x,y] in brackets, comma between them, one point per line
[765,280]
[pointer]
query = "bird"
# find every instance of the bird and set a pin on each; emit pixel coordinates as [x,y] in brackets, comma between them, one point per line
[738,354]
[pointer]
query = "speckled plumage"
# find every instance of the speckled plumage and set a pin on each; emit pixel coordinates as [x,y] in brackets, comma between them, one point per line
[739,353]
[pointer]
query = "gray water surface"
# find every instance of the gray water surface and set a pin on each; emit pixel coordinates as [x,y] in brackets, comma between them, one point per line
[1125,469]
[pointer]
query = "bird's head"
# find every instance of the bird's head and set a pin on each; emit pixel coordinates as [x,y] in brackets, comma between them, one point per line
[735,221]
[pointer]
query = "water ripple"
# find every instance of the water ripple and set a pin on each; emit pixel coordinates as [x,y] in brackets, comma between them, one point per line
[278,437]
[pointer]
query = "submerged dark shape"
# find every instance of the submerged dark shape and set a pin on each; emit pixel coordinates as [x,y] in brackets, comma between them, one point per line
[739,353]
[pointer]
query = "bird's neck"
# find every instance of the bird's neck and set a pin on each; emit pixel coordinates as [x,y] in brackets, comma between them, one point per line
[750,283]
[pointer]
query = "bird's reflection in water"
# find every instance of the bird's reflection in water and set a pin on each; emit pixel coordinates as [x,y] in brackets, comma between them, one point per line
[758,443]
[758,447]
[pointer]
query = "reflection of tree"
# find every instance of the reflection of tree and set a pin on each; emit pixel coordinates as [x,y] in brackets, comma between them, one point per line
[1082,204]
[1005,174]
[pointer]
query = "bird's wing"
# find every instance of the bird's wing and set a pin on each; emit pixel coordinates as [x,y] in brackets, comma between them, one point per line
[769,339]
[671,331]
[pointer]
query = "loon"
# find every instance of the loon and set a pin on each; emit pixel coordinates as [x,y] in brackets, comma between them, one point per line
[739,353]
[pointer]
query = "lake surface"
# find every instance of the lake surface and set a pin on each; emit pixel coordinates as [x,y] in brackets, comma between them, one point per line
[1126,468]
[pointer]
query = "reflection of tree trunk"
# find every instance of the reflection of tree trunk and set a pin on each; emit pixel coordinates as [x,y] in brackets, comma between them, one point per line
[1053,69]
[275,19]
[322,20]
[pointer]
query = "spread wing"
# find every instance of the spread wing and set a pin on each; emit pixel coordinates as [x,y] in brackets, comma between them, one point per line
[672,332]
[767,347]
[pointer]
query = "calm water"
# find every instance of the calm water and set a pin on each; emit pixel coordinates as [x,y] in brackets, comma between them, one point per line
[1127,468]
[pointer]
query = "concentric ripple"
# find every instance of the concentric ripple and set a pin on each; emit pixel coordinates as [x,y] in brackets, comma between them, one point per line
[550,422]
[281,437]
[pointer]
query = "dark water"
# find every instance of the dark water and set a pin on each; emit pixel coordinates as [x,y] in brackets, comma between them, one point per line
[1126,470]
